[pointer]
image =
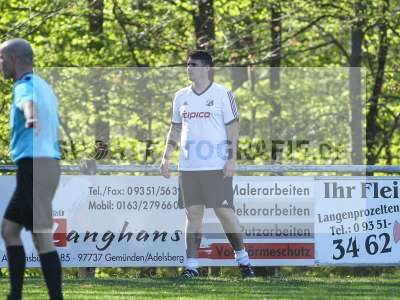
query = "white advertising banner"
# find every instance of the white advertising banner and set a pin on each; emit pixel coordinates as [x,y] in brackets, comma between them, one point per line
[135,221]
[357,220]
[287,221]
[276,215]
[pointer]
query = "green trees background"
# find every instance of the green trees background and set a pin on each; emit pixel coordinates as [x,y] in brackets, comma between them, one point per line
[129,109]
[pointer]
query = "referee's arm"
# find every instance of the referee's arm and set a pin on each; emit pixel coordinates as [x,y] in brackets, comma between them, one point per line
[30,114]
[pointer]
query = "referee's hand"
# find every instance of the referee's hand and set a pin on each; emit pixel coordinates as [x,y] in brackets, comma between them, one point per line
[229,168]
[164,168]
[33,123]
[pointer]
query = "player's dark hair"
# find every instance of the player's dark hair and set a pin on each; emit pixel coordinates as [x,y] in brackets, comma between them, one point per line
[203,56]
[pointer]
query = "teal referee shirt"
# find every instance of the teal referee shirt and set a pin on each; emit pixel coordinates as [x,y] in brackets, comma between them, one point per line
[24,142]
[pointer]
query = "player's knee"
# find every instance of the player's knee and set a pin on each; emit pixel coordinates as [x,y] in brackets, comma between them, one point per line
[194,227]
[194,219]
[194,215]
[194,224]
[43,242]
[3,233]
[224,214]
[9,233]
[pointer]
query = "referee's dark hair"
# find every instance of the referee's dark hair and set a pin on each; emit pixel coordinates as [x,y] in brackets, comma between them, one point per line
[21,49]
[203,56]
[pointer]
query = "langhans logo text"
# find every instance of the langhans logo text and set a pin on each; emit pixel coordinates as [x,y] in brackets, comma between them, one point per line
[104,240]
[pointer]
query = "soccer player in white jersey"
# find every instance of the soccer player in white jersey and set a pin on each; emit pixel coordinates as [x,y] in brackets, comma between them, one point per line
[205,124]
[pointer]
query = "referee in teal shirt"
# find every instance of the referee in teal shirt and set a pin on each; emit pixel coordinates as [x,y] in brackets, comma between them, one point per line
[35,150]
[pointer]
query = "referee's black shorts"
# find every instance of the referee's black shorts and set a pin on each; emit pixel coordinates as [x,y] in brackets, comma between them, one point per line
[31,203]
[208,188]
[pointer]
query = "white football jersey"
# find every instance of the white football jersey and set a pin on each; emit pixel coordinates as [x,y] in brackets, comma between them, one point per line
[203,144]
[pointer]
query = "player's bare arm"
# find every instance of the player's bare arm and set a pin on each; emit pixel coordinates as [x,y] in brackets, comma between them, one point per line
[30,114]
[173,138]
[232,132]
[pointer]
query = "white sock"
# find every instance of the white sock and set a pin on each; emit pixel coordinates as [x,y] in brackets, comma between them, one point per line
[192,264]
[242,257]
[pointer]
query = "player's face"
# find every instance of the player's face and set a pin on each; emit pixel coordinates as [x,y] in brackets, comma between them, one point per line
[6,66]
[196,70]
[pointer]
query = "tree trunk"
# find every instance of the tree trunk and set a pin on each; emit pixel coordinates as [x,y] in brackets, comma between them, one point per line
[274,70]
[276,34]
[355,85]
[274,83]
[102,130]
[372,115]
[204,25]
[102,127]
[96,17]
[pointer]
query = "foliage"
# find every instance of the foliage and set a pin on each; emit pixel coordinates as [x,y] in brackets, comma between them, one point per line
[136,103]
